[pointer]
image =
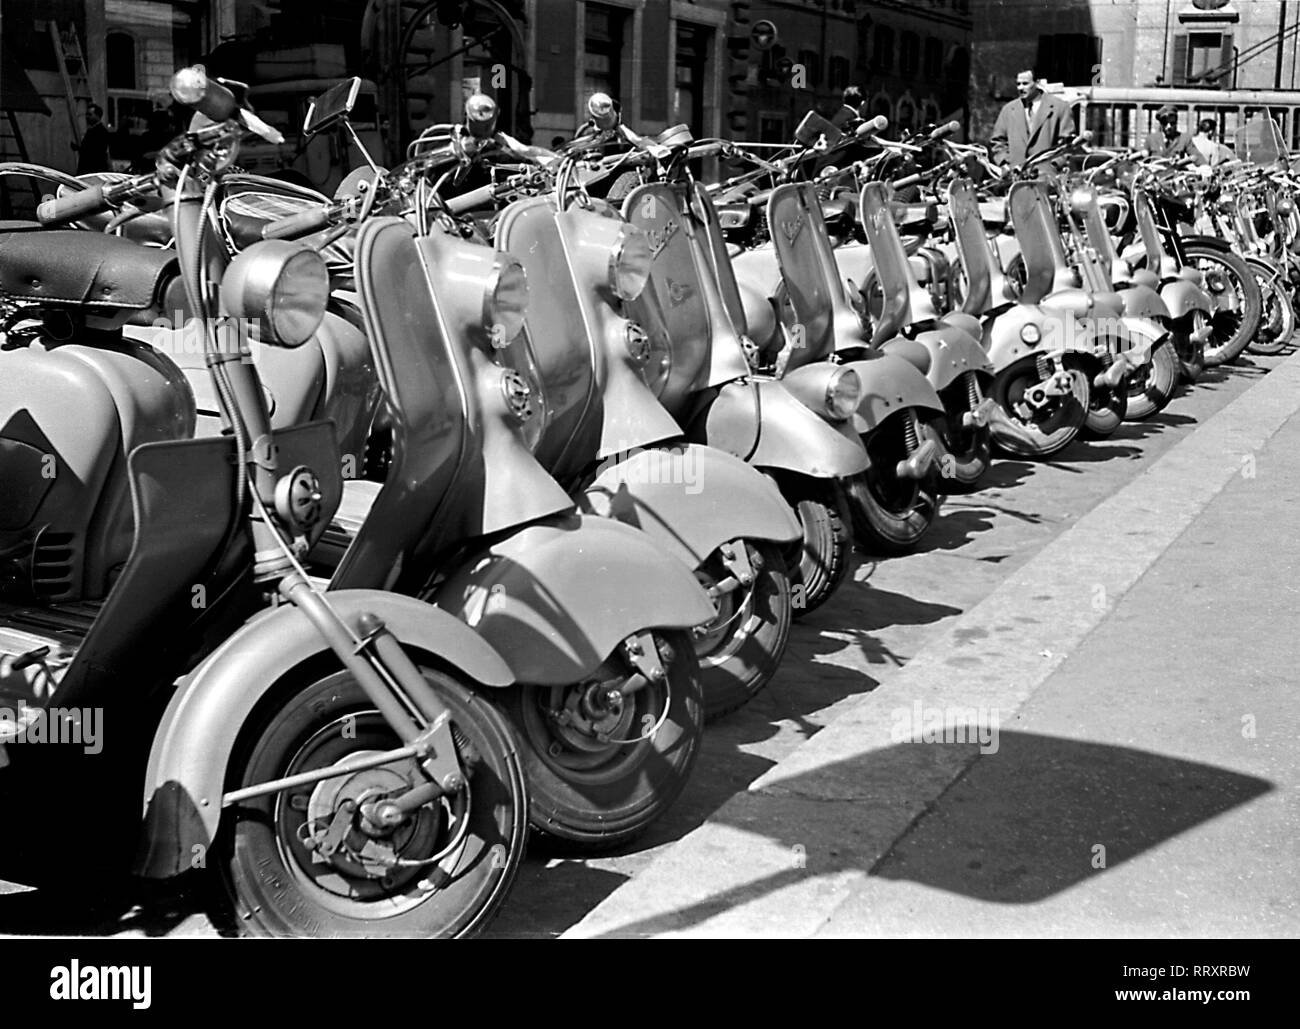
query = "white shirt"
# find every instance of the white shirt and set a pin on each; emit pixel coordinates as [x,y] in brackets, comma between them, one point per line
[1031,112]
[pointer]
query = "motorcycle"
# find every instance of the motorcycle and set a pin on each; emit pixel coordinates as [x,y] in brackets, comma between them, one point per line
[328,755]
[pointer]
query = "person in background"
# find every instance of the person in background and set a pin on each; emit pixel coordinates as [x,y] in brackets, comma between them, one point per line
[1031,124]
[1211,150]
[92,151]
[1167,141]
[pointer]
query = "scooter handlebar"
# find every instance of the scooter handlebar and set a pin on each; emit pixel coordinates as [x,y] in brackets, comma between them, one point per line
[908,180]
[192,87]
[944,131]
[874,125]
[73,206]
[304,223]
[474,198]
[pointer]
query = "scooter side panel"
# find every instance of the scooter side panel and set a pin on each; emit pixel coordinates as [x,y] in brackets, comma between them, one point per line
[690,500]
[554,599]
[952,353]
[794,438]
[186,773]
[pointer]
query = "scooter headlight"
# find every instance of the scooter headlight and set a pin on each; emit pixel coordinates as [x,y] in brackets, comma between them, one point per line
[282,285]
[1031,334]
[629,263]
[505,300]
[1285,207]
[843,393]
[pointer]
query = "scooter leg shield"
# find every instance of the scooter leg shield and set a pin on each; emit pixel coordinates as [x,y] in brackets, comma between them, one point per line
[191,750]
[555,599]
[689,500]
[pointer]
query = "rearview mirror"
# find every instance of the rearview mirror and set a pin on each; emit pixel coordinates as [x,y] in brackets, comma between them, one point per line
[813,126]
[332,106]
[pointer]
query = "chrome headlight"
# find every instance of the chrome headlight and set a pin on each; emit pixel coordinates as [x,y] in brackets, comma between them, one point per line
[1031,334]
[505,300]
[843,393]
[629,263]
[282,285]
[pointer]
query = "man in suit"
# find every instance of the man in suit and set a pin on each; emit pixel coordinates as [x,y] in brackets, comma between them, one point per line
[1031,124]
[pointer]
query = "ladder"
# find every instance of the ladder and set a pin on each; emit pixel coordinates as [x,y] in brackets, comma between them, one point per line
[72,69]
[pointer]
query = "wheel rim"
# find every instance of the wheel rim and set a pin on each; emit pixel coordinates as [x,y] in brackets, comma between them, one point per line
[362,880]
[587,739]
[1228,294]
[1050,418]
[737,619]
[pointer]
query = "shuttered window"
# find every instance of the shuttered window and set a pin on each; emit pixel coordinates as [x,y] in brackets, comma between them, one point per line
[1203,59]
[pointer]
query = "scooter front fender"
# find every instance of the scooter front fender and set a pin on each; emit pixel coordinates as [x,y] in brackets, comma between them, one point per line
[191,750]
[556,599]
[890,384]
[950,351]
[786,433]
[1143,302]
[690,499]
[1055,330]
[1182,297]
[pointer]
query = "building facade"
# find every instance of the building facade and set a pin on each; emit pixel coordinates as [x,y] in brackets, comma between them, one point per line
[1217,44]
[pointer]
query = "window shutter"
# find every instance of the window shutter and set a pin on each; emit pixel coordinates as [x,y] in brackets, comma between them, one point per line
[1228,75]
[1180,58]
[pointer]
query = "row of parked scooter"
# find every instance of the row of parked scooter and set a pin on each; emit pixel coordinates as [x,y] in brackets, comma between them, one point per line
[384,527]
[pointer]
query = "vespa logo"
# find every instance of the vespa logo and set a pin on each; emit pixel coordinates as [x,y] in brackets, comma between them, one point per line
[678,293]
[659,238]
[791,227]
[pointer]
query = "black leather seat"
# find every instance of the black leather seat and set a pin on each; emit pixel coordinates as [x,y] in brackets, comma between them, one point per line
[70,267]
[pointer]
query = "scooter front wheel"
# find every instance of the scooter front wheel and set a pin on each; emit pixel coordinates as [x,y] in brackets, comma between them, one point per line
[306,862]
[1238,301]
[1150,391]
[741,649]
[968,449]
[1278,323]
[827,547]
[1034,427]
[1106,410]
[602,766]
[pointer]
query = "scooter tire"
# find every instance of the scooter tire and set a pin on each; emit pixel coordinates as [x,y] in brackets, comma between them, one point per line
[1106,411]
[1233,330]
[1149,394]
[593,796]
[1278,324]
[1031,440]
[272,882]
[827,548]
[740,664]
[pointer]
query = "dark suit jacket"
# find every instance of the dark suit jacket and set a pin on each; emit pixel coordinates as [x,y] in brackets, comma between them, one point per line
[1014,141]
[1180,146]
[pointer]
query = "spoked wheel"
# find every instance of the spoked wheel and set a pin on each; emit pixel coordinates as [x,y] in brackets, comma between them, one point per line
[890,513]
[603,765]
[827,547]
[969,448]
[308,862]
[1150,390]
[1037,427]
[741,649]
[1278,321]
[1237,299]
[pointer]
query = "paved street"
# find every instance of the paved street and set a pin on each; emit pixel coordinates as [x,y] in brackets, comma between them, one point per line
[1102,723]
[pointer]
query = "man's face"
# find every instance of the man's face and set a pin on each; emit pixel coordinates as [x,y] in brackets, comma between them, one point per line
[92,117]
[1170,126]
[1026,86]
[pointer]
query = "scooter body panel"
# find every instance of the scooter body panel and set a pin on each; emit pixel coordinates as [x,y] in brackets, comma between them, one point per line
[191,749]
[1182,297]
[950,351]
[890,384]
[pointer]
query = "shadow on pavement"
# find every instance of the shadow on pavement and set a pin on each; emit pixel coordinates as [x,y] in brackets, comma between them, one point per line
[1017,826]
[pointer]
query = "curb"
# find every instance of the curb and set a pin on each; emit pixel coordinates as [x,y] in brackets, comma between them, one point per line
[778,858]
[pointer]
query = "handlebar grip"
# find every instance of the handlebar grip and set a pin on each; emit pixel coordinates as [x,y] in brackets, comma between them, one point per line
[872,126]
[295,225]
[192,87]
[474,198]
[1082,138]
[908,180]
[73,206]
[943,131]
[704,150]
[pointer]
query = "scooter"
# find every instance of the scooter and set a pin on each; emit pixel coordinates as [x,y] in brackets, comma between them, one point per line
[613,446]
[610,718]
[328,755]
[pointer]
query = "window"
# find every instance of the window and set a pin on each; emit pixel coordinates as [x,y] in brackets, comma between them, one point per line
[909,53]
[933,64]
[812,63]
[1068,57]
[839,72]
[692,59]
[603,57]
[119,53]
[882,56]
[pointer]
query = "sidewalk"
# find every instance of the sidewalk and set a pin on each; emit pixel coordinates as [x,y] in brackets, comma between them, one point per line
[1141,673]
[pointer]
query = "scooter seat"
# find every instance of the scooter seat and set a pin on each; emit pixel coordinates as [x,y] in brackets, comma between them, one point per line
[73,268]
[1145,277]
[912,352]
[19,225]
[1107,305]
